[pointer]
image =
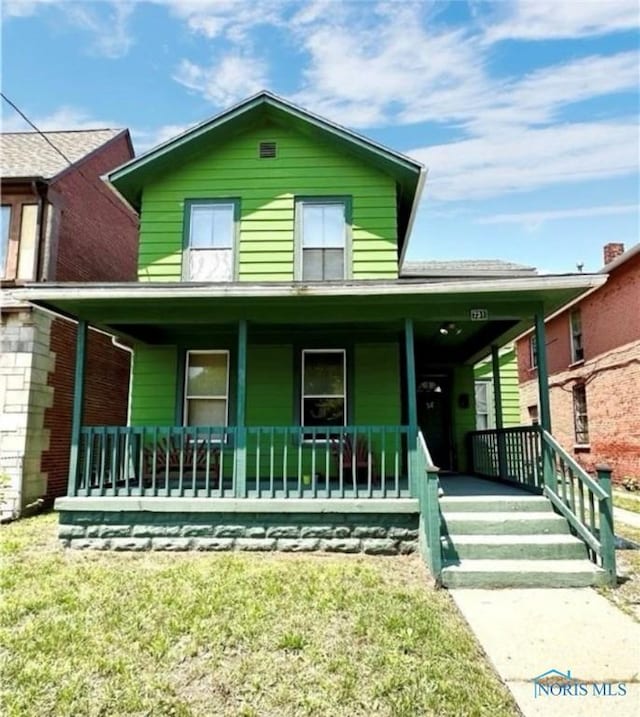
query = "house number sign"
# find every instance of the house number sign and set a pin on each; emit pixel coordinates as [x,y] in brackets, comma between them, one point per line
[479,314]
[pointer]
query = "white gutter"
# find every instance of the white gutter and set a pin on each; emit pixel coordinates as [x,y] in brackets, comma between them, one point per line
[138,290]
[422,180]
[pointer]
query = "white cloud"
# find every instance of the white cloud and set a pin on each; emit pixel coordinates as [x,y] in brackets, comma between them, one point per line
[547,19]
[106,21]
[64,118]
[524,158]
[533,220]
[228,79]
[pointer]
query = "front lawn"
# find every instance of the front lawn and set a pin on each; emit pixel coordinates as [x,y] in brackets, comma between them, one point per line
[230,635]
[626,595]
[630,501]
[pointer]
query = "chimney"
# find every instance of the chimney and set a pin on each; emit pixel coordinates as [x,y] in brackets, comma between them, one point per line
[612,251]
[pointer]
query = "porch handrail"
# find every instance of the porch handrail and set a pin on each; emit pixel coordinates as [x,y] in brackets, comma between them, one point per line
[567,495]
[534,459]
[428,499]
[356,461]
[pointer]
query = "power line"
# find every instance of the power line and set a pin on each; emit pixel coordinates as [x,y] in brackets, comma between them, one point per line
[106,195]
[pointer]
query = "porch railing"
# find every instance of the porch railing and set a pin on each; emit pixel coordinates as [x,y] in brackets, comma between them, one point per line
[235,462]
[532,458]
[430,519]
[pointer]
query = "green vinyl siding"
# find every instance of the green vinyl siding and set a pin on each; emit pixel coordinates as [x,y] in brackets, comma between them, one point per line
[377,389]
[270,389]
[463,413]
[154,384]
[508,384]
[267,189]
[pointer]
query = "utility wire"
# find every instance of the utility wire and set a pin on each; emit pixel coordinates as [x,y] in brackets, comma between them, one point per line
[106,195]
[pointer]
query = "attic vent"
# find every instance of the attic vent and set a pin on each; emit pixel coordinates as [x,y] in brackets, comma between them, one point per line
[267,150]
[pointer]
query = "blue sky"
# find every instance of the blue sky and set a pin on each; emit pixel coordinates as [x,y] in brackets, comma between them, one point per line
[525,112]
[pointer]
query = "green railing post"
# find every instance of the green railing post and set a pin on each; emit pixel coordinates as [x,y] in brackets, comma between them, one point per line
[548,468]
[412,408]
[241,433]
[78,404]
[433,521]
[497,400]
[607,535]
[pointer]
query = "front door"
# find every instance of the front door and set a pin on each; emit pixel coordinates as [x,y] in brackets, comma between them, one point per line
[434,400]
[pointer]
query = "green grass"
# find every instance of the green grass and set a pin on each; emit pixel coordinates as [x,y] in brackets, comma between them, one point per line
[626,595]
[230,635]
[627,502]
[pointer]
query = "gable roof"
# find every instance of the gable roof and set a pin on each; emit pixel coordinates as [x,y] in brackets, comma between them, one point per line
[28,154]
[130,178]
[465,268]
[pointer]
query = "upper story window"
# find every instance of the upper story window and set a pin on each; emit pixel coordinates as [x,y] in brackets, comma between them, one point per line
[533,351]
[324,387]
[322,239]
[575,322]
[210,239]
[206,390]
[5,218]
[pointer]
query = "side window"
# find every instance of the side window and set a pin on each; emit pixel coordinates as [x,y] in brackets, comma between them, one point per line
[580,416]
[322,239]
[4,237]
[577,352]
[533,352]
[206,390]
[324,387]
[484,405]
[210,240]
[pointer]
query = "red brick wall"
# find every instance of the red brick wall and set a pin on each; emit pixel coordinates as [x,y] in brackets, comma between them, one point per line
[106,395]
[611,373]
[98,234]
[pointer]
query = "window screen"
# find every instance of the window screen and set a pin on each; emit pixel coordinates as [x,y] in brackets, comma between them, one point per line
[323,388]
[206,388]
[323,239]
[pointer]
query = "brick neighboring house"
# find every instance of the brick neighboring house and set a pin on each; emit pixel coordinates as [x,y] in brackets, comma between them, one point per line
[593,350]
[60,222]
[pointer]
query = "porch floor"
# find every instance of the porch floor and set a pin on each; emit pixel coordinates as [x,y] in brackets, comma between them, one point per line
[460,485]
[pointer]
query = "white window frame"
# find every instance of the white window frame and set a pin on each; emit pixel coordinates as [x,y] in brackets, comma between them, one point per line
[189,205]
[187,398]
[572,344]
[300,202]
[491,409]
[344,382]
[3,267]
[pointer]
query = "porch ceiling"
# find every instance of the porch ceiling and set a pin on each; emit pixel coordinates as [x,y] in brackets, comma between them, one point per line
[150,312]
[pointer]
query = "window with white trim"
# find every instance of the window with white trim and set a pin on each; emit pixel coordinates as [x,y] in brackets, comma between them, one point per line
[4,237]
[533,351]
[575,321]
[484,405]
[580,416]
[210,240]
[322,239]
[206,389]
[324,387]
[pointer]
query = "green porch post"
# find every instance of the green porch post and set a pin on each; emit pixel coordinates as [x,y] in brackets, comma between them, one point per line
[548,470]
[497,400]
[241,433]
[78,401]
[412,408]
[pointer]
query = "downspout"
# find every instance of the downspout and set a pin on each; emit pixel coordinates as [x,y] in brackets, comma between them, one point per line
[44,251]
[124,347]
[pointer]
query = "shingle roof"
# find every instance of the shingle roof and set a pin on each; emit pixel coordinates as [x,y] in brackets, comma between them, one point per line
[27,154]
[477,268]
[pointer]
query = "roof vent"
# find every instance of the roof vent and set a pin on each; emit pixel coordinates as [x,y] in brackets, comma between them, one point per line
[267,150]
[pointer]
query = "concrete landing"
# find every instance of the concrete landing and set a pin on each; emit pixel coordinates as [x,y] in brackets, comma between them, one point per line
[525,633]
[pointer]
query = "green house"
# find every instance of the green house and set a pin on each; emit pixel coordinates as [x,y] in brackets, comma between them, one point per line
[291,387]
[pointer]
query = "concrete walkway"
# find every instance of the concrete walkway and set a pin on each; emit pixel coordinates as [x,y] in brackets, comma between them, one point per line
[527,632]
[628,517]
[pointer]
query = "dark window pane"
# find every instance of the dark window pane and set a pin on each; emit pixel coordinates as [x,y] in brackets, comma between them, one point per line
[312,265]
[323,374]
[323,412]
[4,235]
[333,264]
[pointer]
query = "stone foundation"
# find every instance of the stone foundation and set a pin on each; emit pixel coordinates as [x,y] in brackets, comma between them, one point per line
[374,534]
